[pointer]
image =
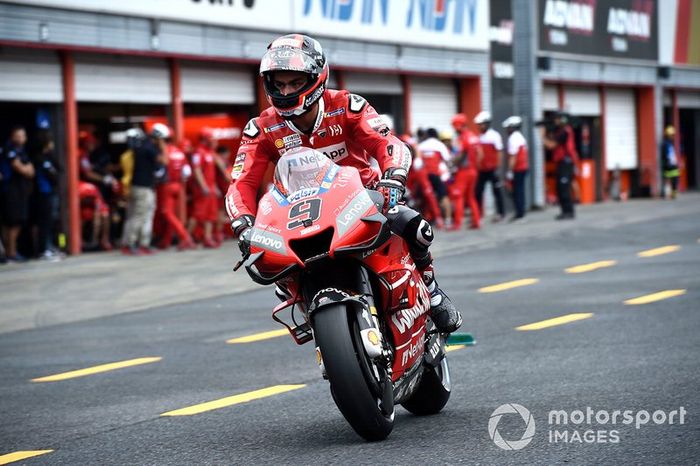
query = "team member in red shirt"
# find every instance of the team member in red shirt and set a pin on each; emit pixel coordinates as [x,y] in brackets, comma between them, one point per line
[464,184]
[489,165]
[563,146]
[518,163]
[169,197]
[205,192]
[347,130]
[418,181]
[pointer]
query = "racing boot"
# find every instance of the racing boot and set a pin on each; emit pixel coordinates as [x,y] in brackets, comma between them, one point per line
[444,314]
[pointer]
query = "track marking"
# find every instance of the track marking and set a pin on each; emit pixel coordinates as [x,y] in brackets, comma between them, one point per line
[508,285]
[555,321]
[259,336]
[659,251]
[451,348]
[96,369]
[233,400]
[21,455]
[590,267]
[650,298]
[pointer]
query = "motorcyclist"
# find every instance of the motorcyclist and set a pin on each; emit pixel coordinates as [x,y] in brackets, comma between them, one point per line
[347,130]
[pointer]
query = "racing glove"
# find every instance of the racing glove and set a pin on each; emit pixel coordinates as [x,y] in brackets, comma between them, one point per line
[392,186]
[243,228]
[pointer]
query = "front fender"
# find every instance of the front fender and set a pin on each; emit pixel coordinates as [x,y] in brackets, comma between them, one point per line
[329,296]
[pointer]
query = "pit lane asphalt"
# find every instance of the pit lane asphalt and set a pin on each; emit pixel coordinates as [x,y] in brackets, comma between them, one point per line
[643,357]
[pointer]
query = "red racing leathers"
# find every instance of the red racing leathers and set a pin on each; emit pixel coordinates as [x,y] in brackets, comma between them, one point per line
[464,185]
[347,130]
[170,196]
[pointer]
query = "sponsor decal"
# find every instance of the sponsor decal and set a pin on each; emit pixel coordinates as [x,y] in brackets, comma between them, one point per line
[306,231]
[293,140]
[276,127]
[251,129]
[279,143]
[302,193]
[336,112]
[569,15]
[336,130]
[411,352]
[287,42]
[356,103]
[405,318]
[240,158]
[281,200]
[376,122]
[336,152]
[265,206]
[353,212]
[268,240]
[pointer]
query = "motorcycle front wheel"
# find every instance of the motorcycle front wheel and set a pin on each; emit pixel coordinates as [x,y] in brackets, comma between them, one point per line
[337,336]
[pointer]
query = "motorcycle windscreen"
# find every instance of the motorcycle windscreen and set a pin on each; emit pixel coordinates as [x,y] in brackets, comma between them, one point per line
[300,168]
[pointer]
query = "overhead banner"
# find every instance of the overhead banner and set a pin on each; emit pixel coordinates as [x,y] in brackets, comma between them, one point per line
[458,24]
[606,28]
[260,14]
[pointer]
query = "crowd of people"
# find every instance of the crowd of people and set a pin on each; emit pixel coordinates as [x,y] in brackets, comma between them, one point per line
[452,168]
[29,175]
[160,192]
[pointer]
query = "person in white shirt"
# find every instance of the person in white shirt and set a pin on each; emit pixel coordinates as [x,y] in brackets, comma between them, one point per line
[490,163]
[518,163]
[435,157]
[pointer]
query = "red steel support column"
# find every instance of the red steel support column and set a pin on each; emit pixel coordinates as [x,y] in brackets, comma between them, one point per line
[470,98]
[561,99]
[646,137]
[604,175]
[406,84]
[176,100]
[70,107]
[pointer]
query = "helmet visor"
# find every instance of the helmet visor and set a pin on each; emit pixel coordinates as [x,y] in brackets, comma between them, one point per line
[288,59]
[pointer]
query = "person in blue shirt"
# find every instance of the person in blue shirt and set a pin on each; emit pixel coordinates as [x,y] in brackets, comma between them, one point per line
[669,161]
[17,173]
[45,196]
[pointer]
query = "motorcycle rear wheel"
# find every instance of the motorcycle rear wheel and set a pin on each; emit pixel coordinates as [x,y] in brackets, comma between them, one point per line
[337,337]
[433,392]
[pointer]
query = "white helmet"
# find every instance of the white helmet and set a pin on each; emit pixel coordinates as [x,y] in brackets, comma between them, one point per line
[512,122]
[160,131]
[482,117]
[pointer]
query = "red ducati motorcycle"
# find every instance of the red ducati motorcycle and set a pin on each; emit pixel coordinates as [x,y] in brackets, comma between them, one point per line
[351,286]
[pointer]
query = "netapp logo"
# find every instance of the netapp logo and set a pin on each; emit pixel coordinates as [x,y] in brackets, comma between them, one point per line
[246,3]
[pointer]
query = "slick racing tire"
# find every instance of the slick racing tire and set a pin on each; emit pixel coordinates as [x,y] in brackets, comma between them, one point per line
[432,392]
[338,338]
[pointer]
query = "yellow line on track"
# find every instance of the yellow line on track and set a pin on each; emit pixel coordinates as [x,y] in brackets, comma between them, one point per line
[555,321]
[659,251]
[21,455]
[651,298]
[96,369]
[259,336]
[508,285]
[590,267]
[233,400]
[451,348]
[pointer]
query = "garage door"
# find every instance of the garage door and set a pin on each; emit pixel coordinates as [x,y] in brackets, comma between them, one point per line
[121,79]
[433,103]
[550,98]
[215,83]
[620,129]
[370,83]
[30,76]
[582,100]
